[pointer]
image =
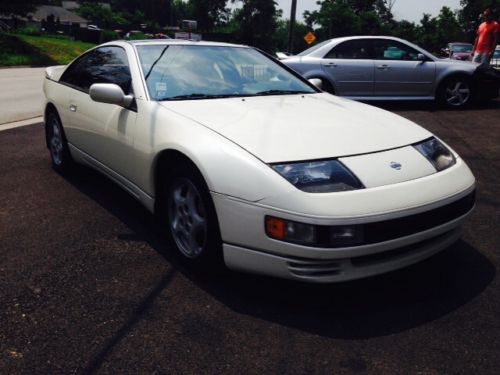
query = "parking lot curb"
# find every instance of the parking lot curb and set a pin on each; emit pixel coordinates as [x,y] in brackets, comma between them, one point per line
[17,124]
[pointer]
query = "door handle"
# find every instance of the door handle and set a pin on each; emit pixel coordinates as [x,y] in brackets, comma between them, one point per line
[330,65]
[72,108]
[383,67]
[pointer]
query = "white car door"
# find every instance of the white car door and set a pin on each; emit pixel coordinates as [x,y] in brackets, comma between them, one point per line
[103,131]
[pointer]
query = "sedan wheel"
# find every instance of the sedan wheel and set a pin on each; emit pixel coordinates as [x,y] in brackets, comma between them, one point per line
[187,218]
[456,92]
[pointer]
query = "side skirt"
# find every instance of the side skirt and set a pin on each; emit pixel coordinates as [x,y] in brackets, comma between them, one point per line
[83,158]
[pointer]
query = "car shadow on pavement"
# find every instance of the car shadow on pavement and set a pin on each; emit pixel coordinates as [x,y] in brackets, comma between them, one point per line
[373,307]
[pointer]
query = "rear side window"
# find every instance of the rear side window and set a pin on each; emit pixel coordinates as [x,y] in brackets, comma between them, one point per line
[352,49]
[102,65]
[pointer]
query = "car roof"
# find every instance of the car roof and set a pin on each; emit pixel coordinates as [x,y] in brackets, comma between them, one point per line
[333,42]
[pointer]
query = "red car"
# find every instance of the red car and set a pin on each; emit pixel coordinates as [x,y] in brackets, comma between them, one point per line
[459,51]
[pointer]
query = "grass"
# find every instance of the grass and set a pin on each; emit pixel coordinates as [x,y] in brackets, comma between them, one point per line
[38,50]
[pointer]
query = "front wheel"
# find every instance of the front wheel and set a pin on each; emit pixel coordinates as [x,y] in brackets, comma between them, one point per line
[455,92]
[188,215]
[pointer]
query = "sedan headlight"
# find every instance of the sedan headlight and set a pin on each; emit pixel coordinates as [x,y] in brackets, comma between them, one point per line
[323,176]
[437,153]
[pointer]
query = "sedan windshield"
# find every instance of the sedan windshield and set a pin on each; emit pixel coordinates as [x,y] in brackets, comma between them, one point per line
[190,72]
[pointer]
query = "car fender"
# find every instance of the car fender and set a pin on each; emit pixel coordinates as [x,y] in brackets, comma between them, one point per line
[226,167]
[460,68]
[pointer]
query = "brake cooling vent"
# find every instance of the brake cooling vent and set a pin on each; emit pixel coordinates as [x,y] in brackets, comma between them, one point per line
[306,268]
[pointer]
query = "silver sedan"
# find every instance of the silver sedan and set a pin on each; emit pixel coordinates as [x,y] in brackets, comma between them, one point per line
[388,68]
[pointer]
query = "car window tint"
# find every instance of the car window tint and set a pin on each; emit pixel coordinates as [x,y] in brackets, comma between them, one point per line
[102,65]
[393,50]
[352,49]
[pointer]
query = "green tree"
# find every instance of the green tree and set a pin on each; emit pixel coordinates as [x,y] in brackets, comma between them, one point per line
[427,33]
[257,22]
[19,7]
[299,31]
[209,13]
[406,30]
[448,27]
[351,17]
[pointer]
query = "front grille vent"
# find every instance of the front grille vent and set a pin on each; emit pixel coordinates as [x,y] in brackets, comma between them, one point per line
[315,268]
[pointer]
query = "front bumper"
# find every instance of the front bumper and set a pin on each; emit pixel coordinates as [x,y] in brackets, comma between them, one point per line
[426,223]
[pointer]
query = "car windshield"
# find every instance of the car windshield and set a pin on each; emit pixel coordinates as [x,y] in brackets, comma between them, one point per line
[189,72]
[466,48]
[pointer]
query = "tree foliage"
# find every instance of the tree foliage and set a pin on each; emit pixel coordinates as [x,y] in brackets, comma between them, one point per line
[257,22]
[18,7]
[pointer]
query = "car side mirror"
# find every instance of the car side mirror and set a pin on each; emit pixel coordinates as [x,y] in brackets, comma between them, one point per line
[421,57]
[316,82]
[110,93]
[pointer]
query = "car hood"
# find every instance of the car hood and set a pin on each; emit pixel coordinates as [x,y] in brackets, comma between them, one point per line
[301,127]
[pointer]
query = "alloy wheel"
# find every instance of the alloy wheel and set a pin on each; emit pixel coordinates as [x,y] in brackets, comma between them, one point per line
[56,142]
[187,218]
[457,93]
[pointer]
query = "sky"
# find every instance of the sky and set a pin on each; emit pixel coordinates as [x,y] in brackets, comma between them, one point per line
[411,10]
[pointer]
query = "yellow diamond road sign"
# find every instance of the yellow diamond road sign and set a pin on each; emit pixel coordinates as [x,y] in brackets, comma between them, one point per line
[310,37]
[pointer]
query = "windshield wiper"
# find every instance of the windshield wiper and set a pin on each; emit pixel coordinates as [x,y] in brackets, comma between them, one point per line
[281,92]
[197,96]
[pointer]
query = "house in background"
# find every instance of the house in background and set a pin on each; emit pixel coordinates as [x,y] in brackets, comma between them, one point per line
[58,15]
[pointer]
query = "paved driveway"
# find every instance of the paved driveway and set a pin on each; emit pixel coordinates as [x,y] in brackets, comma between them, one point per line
[20,93]
[88,287]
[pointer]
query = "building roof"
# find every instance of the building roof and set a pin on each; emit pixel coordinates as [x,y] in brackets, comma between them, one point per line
[64,16]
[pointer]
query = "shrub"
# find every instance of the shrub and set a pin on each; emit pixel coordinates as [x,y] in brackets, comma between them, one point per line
[28,31]
[108,35]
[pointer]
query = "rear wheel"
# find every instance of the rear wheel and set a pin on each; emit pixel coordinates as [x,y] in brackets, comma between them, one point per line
[455,92]
[57,144]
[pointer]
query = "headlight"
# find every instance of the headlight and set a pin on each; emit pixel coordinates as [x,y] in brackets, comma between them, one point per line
[323,176]
[437,153]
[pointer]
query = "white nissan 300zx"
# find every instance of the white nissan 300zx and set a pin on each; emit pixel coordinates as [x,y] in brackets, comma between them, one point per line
[247,164]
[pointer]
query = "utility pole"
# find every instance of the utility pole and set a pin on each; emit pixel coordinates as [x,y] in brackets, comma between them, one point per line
[292,26]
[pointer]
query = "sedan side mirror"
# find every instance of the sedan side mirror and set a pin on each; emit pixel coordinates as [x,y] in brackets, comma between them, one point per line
[421,57]
[110,93]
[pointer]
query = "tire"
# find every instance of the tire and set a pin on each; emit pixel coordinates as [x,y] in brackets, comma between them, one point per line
[187,215]
[57,144]
[455,92]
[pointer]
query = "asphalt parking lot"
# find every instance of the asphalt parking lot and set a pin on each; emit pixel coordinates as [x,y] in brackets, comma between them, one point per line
[87,286]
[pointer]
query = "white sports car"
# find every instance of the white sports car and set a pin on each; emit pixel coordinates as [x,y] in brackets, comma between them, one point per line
[247,164]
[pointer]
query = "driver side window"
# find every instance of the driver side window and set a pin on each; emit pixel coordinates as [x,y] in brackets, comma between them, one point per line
[101,65]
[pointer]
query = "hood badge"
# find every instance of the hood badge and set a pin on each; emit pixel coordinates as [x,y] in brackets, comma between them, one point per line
[395,165]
